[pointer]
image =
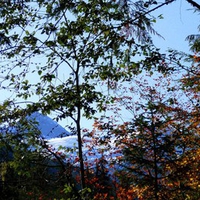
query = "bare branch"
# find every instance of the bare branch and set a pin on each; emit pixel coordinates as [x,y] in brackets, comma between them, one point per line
[194,4]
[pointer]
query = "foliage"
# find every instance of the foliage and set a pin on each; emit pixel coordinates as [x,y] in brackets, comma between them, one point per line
[82,38]
[29,167]
[159,144]
[74,49]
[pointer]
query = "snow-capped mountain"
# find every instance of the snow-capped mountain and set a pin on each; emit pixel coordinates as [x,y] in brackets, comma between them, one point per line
[58,138]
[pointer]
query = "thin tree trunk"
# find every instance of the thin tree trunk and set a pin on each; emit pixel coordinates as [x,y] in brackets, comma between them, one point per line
[155,161]
[78,121]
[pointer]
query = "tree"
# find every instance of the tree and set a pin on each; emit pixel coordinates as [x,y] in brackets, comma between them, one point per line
[87,43]
[160,145]
[90,40]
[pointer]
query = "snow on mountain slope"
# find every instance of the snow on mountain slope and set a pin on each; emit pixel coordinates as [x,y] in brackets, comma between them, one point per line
[68,142]
[91,152]
[47,126]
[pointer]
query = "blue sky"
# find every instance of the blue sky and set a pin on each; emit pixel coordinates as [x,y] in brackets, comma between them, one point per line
[179,22]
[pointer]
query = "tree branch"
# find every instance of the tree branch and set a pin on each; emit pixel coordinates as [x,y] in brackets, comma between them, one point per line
[194,4]
[153,9]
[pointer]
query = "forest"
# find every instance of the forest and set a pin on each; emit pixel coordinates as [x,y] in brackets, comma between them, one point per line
[93,66]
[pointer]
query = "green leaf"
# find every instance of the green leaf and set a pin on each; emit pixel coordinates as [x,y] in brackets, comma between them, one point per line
[39,72]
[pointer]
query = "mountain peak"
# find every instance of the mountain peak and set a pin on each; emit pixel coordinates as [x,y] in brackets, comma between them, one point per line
[47,126]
